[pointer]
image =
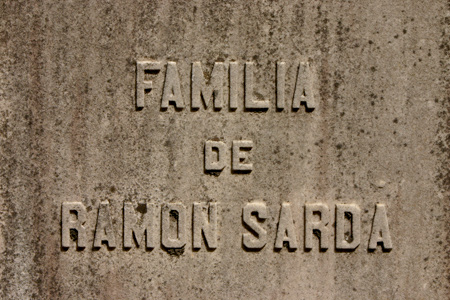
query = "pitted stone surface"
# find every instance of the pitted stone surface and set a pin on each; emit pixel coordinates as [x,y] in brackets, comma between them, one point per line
[310,161]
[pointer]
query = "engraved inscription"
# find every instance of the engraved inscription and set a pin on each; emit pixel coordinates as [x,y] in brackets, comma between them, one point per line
[143,85]
[286,230]
[134,227]
[141,227]
[281,84]
[215,156]
[252,215]
[104,231]
[173,225]
[172,88]
[202,91]
[204,221]
[380,229]
[240,156]
[303,88]
[210,92]
[348,226]
[319,228]
[234,84]
[73,218]
[250,103]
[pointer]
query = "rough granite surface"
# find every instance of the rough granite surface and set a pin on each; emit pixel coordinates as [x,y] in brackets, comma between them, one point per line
[70,131]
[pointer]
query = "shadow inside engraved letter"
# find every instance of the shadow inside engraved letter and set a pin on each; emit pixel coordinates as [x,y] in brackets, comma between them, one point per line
[240,171]
[177,109]
[208,249]
[103,243]
[318,234]
[307,109]
[381,244]
[285,245]
[74,238]
[174,251]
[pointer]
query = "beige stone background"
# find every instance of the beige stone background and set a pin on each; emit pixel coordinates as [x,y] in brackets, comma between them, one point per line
[69,131]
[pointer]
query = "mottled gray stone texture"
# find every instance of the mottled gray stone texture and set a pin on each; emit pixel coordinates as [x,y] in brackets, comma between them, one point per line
[70,132]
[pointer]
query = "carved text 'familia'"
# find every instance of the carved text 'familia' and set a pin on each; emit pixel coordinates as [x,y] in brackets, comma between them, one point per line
[224,79]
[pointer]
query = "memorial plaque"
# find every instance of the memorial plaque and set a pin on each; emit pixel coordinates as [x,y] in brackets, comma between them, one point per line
[224,149]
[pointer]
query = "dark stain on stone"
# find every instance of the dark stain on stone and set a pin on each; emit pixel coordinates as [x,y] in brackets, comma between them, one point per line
[73,234]
[213,173]
[175,251]
[142,208]
[174,215]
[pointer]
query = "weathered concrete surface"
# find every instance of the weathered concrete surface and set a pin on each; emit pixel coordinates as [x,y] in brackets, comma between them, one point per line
[70,132]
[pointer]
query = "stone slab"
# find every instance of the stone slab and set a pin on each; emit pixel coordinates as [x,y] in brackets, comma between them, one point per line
[319,171]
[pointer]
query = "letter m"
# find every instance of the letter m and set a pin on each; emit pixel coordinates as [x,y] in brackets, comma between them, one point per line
[200,90]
